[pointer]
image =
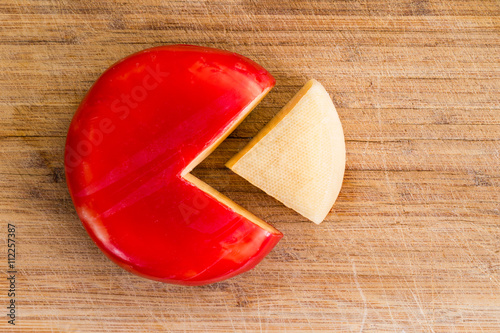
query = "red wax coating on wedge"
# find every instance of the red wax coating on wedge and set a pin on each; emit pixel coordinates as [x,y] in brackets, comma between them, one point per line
[129,143]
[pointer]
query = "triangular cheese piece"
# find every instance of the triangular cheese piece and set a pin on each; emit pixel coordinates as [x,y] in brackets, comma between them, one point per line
[299,156]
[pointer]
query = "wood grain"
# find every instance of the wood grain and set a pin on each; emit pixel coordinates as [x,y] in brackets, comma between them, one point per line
[413,242]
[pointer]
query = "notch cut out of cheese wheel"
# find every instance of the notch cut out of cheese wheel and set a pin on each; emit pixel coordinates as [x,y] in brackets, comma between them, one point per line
[299,156]
[139,131]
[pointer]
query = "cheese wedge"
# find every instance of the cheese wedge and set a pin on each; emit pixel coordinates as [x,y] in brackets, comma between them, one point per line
[299,156]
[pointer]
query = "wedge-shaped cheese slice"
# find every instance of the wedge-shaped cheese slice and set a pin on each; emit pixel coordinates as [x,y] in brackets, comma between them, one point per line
[299,156]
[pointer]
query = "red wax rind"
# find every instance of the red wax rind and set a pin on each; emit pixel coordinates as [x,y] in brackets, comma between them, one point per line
[144,120]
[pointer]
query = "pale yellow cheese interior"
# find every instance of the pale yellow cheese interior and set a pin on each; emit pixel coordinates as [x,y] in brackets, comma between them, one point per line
[299,156]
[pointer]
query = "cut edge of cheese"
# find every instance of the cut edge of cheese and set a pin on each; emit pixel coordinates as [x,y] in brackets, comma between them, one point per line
[224,133]
[289,155]
[272,124]
[201,185]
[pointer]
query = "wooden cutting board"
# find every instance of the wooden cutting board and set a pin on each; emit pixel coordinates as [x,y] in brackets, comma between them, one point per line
[413,242]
